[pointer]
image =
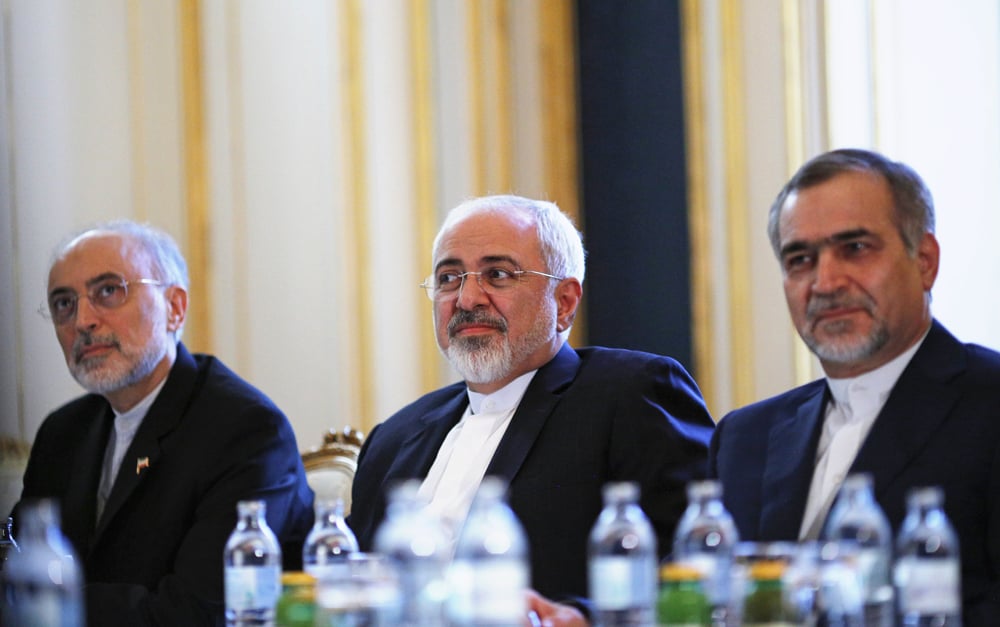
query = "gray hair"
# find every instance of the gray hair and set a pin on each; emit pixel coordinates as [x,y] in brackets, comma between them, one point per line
[914,206]
[168,262]
[560,241]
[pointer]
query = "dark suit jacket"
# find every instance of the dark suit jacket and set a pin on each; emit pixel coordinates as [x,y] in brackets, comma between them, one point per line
[155,556]
[939,426]
[588,417]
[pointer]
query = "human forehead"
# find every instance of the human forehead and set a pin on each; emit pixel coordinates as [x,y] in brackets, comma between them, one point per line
[96,253]
[848,202]
[489,235]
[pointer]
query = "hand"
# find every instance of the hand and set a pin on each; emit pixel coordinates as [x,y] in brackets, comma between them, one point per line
[550,614]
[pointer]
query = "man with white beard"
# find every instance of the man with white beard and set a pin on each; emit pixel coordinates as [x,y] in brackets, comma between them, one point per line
[554,422]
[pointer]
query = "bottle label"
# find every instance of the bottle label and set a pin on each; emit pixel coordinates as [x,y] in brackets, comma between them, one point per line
[873,566]
[621,582]
[928,585]
[339,570]
[491,591]
[252,587]
[38,605]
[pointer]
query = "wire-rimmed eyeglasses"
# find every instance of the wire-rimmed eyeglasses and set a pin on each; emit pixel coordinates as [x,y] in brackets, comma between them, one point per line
[447,284]
[106,292]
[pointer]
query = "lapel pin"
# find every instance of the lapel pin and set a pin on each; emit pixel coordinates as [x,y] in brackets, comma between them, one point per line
[141,464]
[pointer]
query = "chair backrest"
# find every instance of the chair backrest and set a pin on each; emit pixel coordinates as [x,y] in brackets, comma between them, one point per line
[330,468]
[13,461]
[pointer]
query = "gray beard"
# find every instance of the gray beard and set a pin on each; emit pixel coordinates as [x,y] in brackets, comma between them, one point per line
[96,379]
[842,352]
[481,360]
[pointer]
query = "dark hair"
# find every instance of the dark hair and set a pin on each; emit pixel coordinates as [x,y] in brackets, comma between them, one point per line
[914,206]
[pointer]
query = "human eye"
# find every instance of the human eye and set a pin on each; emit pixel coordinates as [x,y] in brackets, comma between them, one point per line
[447,280]
[855,247]
[797,261]
[499,276]
[109,293]
[61,303]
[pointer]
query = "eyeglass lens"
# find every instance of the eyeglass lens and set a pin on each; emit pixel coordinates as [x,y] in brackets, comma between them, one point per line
[106,294]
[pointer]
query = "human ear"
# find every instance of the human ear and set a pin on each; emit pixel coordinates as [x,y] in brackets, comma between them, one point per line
[568,294]
[177,302]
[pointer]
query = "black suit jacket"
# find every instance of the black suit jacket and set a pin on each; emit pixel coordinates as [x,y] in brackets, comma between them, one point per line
[155,556]
[588,417]
[939,426]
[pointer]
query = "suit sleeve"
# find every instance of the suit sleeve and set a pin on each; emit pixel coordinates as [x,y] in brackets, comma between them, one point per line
[661,440]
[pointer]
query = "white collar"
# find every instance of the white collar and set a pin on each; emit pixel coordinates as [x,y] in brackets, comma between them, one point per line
[880,380]
[137,413]
[504,399]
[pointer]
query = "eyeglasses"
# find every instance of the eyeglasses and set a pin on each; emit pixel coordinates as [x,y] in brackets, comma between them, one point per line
[447,284]
[106,293]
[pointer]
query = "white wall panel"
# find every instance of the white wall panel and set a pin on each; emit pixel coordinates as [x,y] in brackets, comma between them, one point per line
[394,268]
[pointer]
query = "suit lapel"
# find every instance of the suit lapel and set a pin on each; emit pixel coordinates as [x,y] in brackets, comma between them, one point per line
[539,400]
[791,459]
[418,451]
[918,405]
[143,453]
[80,499]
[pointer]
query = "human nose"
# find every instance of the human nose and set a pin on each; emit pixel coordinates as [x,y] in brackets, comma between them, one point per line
[471,293]
[829,275]
[86,313]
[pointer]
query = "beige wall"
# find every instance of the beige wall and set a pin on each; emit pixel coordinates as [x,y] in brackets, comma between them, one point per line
[302,154]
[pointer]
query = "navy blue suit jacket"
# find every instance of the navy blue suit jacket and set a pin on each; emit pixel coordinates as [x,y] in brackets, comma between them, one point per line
[155,556]
[939,426]
[588,417]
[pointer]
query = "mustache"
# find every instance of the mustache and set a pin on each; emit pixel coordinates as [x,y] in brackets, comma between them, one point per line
[88,339]
[475,317]
[819,305]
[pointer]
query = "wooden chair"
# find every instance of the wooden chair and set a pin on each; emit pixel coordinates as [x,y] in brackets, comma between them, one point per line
[330,468]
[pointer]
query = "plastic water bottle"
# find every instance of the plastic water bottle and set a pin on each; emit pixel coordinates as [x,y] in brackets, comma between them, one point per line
[252,559]
[705,538]
[329,541]
[42,583]
[490,572]
[857,518]
[413,538]
[8,544]
[927,573]
[622,561]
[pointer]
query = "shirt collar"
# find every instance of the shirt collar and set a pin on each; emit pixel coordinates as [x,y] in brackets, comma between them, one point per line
[137,413]
[504,399]
[881,380]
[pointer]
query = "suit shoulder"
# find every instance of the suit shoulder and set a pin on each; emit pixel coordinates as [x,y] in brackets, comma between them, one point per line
[778,405]
[221,385]
[983,359]
[623,362]
[427,402]
[75,416]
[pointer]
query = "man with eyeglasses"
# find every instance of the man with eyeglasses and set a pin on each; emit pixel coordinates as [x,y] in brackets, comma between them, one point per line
[148,467]
[555,422]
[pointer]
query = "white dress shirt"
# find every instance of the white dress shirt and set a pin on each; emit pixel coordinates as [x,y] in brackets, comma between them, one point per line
[126,425]
[855,404]
[466,452]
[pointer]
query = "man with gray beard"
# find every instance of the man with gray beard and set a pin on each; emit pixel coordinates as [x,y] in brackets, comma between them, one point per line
[554,422]
[148,467]
[902,400]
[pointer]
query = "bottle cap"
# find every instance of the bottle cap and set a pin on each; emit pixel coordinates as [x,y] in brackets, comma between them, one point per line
[677,571]
[297,578]
[766,570]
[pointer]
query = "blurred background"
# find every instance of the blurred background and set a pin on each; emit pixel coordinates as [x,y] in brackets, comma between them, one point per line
[303,152]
